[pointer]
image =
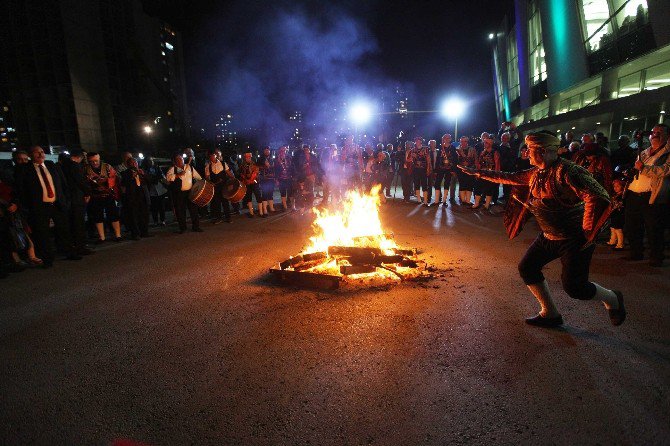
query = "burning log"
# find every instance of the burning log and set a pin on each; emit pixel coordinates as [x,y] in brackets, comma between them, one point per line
[352,251]
[311,264]
[397,258]
[405,252]
[312,256]
[357,269]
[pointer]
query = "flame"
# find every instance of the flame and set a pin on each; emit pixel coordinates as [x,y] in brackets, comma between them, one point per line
[356,223]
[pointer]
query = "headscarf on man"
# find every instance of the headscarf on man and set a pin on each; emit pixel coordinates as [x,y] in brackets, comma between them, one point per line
[543,138]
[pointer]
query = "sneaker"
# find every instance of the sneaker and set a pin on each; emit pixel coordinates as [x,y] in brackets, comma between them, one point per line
[619,315]
[547,322]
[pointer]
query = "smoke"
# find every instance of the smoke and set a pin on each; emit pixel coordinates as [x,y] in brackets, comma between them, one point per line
[266,61]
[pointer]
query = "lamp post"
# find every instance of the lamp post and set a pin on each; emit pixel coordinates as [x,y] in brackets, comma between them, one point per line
[453,108]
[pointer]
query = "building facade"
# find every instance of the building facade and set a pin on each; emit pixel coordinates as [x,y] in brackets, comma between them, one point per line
[97,75]
[583,65]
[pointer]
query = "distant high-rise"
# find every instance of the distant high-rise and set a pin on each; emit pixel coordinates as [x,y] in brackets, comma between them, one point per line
[92,75]
[297,132]
[225,133]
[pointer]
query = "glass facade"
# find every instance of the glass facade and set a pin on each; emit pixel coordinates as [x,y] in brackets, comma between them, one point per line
[657,76]
[596,23]
[512,65]
[538,67]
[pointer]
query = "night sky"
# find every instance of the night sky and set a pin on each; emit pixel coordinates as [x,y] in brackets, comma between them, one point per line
[263,59]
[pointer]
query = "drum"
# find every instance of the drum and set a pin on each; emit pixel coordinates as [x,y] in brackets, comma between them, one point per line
[234,190]
[201,193]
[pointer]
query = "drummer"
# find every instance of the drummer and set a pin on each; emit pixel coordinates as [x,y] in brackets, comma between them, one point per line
[217,171]
[180,180]
[249,176]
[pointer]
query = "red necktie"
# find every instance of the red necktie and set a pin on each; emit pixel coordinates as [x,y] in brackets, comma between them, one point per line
[50,191]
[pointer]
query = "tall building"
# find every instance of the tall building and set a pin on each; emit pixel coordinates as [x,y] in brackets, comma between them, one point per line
[587,65]
[92,74]
[8,140]
[225,133]
[295,120]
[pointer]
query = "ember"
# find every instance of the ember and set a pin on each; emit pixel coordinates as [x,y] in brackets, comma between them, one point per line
[350,245]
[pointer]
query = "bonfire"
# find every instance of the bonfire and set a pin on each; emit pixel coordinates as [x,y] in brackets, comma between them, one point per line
[350,244]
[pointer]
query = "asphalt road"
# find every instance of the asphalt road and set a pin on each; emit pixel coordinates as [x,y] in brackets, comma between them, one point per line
[185,339]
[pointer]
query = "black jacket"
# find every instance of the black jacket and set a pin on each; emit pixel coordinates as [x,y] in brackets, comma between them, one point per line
[29,189]
[78,187]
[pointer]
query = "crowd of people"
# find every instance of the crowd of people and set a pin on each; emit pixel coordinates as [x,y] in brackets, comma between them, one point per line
[81,197]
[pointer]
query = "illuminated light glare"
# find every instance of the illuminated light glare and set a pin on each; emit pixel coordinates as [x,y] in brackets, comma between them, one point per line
[169,46]
[662,112]
[140,155]
[148,129]
[573,128]
[360,114]
[491,36]
[453,108]
[597,123]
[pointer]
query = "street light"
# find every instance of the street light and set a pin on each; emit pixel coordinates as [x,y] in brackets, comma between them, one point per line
[148,129]
[453,108]
[360,114]
[491,36]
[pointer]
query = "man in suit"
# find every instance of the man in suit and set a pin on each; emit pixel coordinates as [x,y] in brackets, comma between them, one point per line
[79,193]
[43,196]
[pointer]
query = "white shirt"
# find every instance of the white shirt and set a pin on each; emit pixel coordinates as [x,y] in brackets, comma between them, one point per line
[45,193]
[643,182]
[187,180]
[216,167]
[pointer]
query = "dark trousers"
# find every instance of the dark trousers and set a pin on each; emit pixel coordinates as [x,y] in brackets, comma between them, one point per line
[38,219]
[158,208]
[453,180]
[641,217]
[420,178]
[218,201]
[78,227]
[180,203]
[575,260]
[254,190]
[406,182]
[137,214]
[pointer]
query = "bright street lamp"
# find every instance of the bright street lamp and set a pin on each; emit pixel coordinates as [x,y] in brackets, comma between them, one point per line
[148,129]
[453,108]
[360,114]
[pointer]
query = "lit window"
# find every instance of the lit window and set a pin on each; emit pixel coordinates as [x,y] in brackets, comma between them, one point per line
[596,22]
[633,14]
[657,76]
[169,46]
[629,85]
[512,66]
[538,67]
